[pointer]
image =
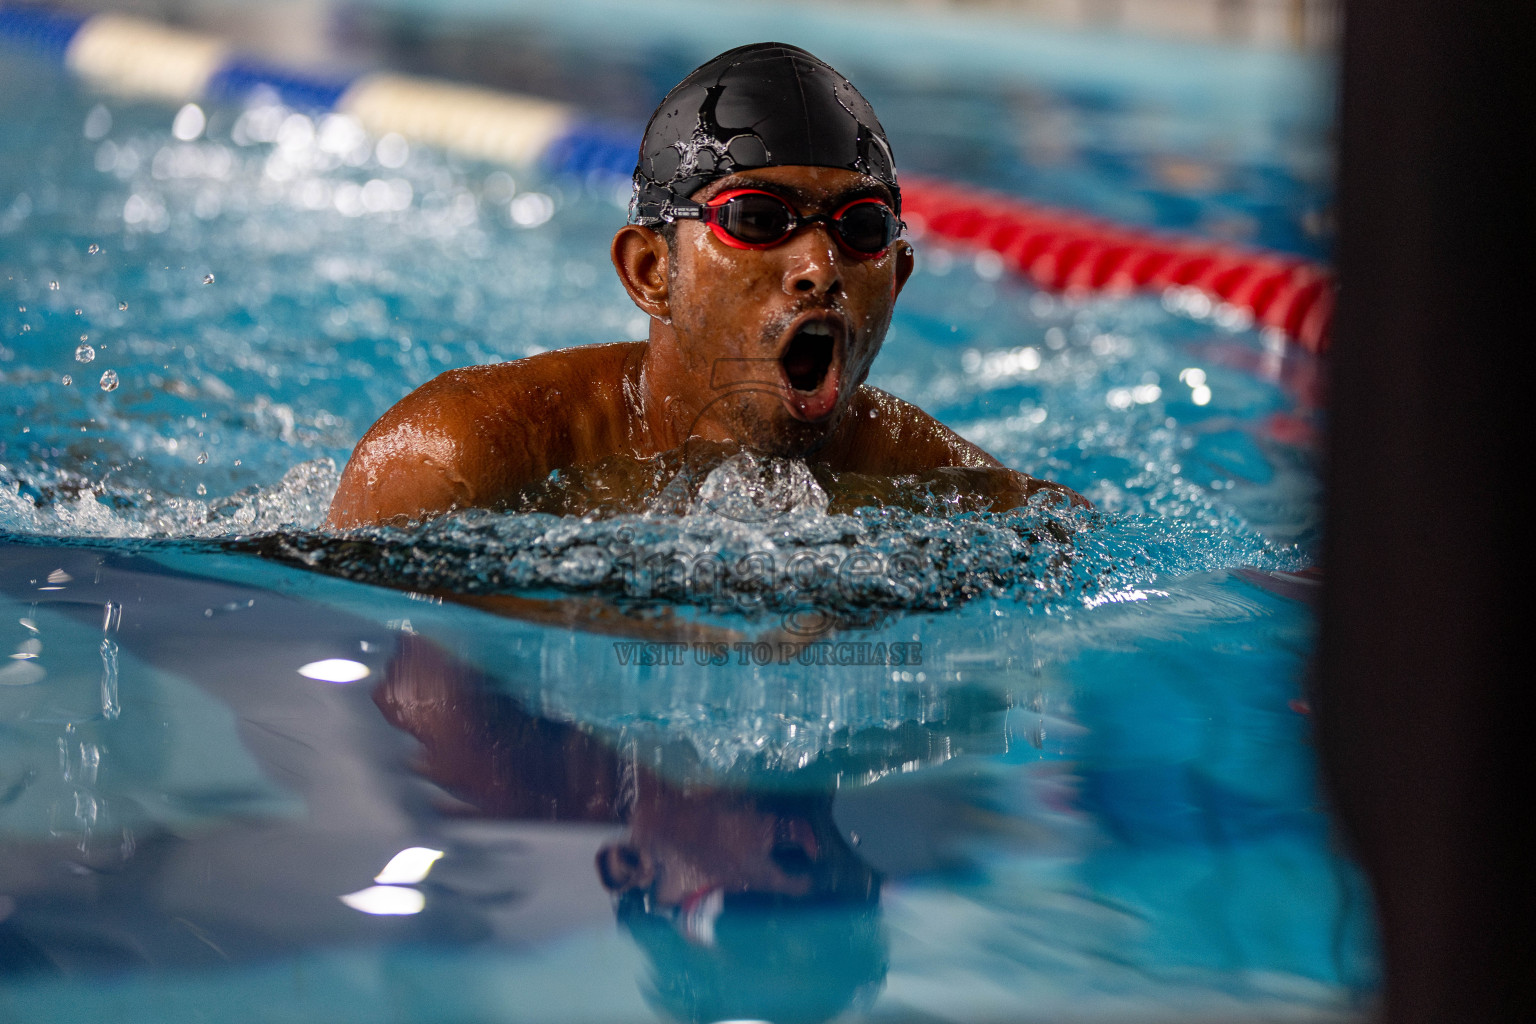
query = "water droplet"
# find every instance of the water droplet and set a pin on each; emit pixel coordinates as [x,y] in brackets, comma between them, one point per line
[109,380]
[202,488]
[85,354]
[53,286]
[122,305]
[202,457]
[208,279]
[66,380]
[92,249]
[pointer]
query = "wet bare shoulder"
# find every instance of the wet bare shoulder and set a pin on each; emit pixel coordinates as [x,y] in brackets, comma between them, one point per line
[473,437]
[884,434]
[888,436]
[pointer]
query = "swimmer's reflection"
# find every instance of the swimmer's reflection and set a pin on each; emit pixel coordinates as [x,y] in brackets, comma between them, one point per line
[748,904]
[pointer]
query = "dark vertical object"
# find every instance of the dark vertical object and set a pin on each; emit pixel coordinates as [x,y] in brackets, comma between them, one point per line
[1423,639]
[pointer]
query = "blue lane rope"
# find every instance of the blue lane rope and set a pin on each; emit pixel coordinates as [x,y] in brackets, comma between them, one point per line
[45,32]
[107,48]
[594,148]
[240,77]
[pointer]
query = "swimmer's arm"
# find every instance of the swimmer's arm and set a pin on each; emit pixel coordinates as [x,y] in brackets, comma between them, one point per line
[895,438]
[485,748]
[423,458]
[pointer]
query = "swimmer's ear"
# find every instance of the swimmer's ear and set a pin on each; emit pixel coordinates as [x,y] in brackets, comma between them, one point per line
[640,257]
[624,867]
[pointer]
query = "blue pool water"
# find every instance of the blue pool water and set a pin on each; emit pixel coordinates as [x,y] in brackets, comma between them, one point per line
[1085,783]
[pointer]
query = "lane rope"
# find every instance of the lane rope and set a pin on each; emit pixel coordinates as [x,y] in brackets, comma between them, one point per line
[1072,253]
[1055,249]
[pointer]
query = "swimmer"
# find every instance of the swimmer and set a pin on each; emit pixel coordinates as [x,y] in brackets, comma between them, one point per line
[764,243]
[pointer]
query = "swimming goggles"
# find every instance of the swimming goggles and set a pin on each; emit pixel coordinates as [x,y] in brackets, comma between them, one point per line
[749,218]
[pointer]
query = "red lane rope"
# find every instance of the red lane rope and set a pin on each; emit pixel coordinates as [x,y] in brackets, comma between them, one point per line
[1076,254]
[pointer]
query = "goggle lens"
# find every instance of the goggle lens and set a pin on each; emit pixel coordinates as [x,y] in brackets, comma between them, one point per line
[868,227]
[755,218]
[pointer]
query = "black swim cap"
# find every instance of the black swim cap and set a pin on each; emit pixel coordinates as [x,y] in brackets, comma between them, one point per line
[761,105]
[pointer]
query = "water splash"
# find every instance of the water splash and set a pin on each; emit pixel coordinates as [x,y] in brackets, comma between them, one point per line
[752,489]
[773,547]
[70,505]
[110,705]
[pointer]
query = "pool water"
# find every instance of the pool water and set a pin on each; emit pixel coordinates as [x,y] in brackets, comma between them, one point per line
[1051,764]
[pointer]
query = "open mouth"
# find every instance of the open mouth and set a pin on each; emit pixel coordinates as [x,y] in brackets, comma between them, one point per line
[792,859]
[809,357]
[795,847]
[810,365]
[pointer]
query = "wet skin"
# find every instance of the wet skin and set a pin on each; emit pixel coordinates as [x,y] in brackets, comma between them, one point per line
[768,349]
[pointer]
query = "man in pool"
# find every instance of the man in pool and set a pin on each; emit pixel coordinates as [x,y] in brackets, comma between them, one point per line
[764,242]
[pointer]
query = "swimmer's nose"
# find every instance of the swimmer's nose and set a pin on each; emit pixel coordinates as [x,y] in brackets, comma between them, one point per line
[813,263]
